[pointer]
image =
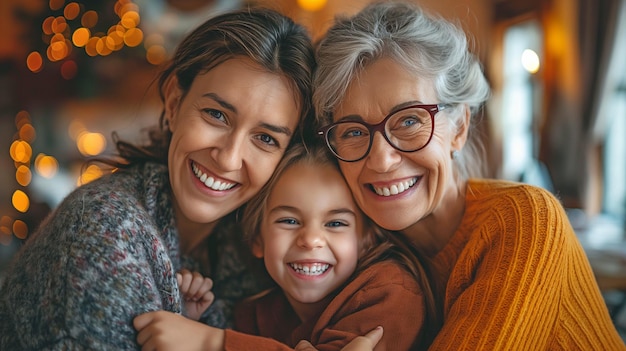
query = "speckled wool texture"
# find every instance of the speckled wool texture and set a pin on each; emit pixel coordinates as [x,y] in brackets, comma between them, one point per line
[106,254]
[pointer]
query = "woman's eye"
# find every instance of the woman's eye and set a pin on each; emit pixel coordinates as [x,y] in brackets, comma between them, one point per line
[267,139]
[216,114]
[409,121]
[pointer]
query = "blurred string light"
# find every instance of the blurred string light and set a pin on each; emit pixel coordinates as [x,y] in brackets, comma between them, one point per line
[312,5]
[72,26]
[21,153]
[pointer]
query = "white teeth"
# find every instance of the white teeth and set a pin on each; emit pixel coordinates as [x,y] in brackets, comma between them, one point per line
[209,181]
[396,188]
[313,269]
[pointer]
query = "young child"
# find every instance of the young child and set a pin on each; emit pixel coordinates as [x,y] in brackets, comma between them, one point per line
[338,275]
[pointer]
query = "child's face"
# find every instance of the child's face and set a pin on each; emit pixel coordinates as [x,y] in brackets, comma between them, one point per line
[310,233]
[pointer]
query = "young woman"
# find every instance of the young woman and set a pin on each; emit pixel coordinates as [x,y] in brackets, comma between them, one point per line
[234,95]
[398,91]
[338,276]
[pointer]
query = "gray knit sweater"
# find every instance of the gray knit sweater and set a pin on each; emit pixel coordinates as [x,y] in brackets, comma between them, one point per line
[108,253]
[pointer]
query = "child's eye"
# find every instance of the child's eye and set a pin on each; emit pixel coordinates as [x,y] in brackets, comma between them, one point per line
[337,224]
[291,221]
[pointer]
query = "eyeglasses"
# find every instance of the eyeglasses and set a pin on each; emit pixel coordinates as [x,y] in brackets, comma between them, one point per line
[408,129]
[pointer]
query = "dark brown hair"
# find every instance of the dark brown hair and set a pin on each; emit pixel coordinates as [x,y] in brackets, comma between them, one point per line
[270,39]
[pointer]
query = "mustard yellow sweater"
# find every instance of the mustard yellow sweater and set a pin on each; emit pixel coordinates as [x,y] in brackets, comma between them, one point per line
[515,277]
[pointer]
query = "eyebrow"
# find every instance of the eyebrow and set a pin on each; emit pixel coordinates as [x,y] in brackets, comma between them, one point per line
[355,117]
[231,107]
[295,209]
[221,101]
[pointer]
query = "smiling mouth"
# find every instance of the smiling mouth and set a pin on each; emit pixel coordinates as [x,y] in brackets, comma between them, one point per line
[312,269]
[395,189]
[209,181]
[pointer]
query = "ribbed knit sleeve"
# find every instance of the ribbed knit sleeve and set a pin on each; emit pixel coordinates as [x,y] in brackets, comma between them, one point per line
[517,278]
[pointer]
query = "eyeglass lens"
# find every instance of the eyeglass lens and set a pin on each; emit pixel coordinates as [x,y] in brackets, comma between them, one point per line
[407,130]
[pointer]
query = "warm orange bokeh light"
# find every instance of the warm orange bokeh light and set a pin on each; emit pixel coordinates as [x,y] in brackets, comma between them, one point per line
[311,5]
[46,166]
[91,144]
[81,37]
[156,54]
[71,11]
[23,175]
[56,4]
[22,118]
[34,62]
[20,229]
[21,151]
[133,37]
[27,132]
[89,19]
[20,201]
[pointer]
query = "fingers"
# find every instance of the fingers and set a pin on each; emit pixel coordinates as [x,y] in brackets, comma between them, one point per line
[141,321]
[374,335]
[193,285]
[304,345]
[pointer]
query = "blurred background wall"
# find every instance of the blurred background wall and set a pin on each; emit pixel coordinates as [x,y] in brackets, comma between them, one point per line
[73,72]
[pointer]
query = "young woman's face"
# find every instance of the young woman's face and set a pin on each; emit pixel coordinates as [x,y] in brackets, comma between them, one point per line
[309,236]
[228,134]
[419,179]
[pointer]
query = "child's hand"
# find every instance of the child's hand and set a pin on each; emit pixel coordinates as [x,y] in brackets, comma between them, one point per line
[196,291]
[164,331]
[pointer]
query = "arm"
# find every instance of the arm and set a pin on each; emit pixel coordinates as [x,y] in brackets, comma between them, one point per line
[526,284]
[196,291]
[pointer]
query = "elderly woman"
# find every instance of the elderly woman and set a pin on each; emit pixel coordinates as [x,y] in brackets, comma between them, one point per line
[397,91]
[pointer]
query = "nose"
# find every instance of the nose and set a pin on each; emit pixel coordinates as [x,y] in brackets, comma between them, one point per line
[229,152]
[309,238]
[382,156]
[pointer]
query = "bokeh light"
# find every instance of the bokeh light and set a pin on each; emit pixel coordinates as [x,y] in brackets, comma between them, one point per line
[312,5]
[20,201]
[91,144]
[530,61]
[27,133]
[20,229]
[46,166]
[34,62]
[21,151]
[23,175]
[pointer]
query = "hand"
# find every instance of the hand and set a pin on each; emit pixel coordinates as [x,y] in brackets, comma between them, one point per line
[360,343]
[196,291]
[163,330]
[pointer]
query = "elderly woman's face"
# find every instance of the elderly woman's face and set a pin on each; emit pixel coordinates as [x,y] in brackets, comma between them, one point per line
[397,189]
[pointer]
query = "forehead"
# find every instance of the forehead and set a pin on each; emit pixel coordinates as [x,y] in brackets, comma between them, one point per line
[250,88]
[317,183]
[381,87]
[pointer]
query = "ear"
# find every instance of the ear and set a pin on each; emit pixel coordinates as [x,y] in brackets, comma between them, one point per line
[172,96]
[257,247]
[463,130]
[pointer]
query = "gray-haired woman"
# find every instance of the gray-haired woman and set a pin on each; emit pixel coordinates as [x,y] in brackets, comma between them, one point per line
[397,91]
